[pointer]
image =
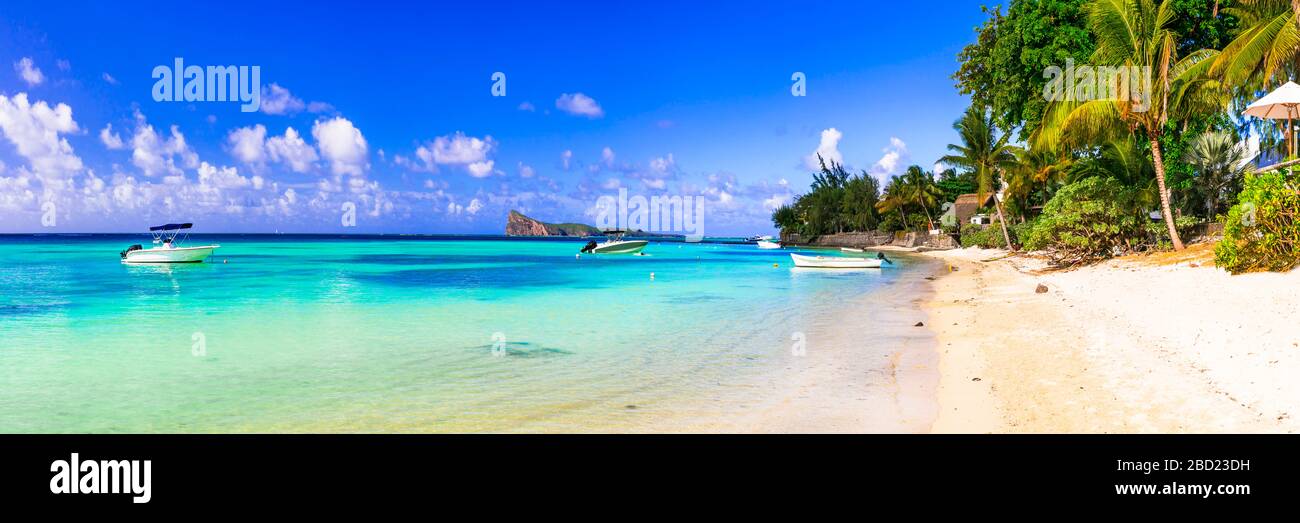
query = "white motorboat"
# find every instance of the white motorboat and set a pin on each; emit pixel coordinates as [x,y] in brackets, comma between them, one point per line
[762,238]
[166,248]
[835,262]
[851,249]
[615,244]
[764,244]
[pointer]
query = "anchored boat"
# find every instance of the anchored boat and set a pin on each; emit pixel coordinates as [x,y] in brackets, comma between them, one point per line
[835,262]
[766,244]
[615,244]
[166,248]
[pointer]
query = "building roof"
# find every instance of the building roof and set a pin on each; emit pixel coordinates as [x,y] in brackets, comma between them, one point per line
[969,204]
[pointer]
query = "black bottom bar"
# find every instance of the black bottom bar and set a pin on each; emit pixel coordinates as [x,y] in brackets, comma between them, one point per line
[317,472]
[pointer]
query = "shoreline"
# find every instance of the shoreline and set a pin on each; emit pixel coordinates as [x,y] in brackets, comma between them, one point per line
[1139,344]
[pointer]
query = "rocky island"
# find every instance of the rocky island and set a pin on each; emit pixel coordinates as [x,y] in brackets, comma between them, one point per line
[519,225]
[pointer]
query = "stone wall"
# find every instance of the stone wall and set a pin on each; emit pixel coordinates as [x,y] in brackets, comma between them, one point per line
[863,240]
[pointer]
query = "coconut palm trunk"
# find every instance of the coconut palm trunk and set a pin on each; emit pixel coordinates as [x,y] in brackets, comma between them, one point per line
[1002,220]
[1164,193]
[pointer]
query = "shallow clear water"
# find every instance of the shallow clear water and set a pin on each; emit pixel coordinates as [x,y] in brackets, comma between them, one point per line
[386,334]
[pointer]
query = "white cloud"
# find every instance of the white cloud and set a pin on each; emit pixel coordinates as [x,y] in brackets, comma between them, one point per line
[248,144]
[566,159]
[221,178]
[292,150]
[939,168]
[461,149]
[828,148]
[579,104]
[526,171]
[35,129]
[155,155]
[109,78]
[894,155]
[607,157]
[342,145]
[278,100]
[480,169]
[111,140]
[474,206]
[527,106]
[28,71]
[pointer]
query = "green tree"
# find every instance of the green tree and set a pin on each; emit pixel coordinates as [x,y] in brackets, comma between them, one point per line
[984,151]
[1132,33]
[1219,161]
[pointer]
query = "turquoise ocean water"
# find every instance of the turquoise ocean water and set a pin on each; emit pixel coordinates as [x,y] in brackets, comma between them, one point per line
[325,334]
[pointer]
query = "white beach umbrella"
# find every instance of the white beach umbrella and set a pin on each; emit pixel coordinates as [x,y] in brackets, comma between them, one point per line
[1281,104]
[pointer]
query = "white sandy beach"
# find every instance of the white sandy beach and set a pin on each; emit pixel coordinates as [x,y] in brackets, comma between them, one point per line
[1140,344]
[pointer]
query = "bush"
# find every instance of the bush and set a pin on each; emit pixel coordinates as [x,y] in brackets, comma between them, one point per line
[985,236]
[1087,221]
[1158,234]
[1262,232]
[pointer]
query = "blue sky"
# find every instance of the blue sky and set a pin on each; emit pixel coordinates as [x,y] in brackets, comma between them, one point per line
[391,109]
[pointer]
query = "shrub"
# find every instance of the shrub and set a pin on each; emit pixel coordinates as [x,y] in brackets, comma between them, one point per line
[985,236]
[1157,235]
[1262,232]
[1086,221]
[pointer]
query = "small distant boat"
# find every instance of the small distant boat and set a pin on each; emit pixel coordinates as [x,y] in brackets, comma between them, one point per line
[764,244]
[615,244]
[835,262]
[763,238]
[851,249]
[166,249]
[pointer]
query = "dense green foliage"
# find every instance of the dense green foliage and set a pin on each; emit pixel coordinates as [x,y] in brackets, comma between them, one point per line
[1087,221]
[1262,232]
[1003,69]
[1098,168]
[837,202]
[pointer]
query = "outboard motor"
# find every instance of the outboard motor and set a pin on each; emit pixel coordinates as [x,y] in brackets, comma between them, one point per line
[135,247]
[591,246]
[881,256]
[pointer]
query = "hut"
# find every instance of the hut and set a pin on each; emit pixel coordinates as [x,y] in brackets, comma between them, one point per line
[968,205]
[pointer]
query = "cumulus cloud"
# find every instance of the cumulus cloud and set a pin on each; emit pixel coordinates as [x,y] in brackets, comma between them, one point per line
[828,149]
[109,78]
[527,106]
[111,140]
[36,132]
[461,149]
[278,100]
[292,150]
[607,157]
[28,71]
[342,145]
[579,104]
[470,152]
[248,144]
[155,155]
[251,146]
[894,155]
[526,171]
[566,159]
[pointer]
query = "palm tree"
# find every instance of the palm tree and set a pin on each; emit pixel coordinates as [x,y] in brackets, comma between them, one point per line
[894,198]
[1219,160]
[1133,33]
[1035,168]
[984,151]
[1267,46]
[919,188]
